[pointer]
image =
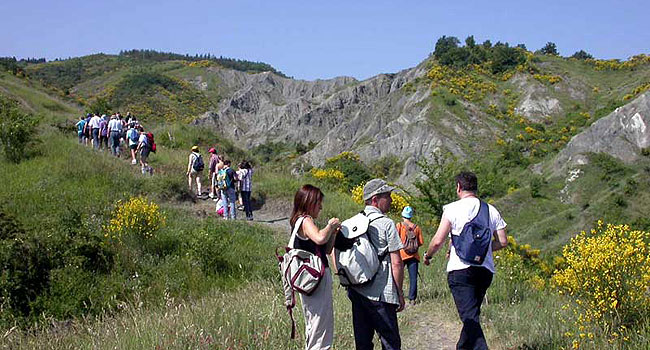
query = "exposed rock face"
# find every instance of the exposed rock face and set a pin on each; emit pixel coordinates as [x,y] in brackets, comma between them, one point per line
[375,118]
[535,103]
[622,134]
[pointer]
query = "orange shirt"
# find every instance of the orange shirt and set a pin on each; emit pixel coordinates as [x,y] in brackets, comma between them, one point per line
[401,228]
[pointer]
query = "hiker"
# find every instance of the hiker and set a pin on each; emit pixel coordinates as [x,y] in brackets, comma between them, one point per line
[114,131]
[87,129]
[226,182]
[195,169]
[80,129]
[133,135]
[317,307]
[468,281]
[94,129]
[214,165]
[103,132]
[411,236]
[375,304]
[144,148]
[245,175]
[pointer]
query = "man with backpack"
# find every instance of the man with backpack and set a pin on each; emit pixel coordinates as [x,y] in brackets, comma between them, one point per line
[375,304]
[145,146]
[471,224]
[195,168]
[226,178]
[133,135]
[115,130]
[411,236]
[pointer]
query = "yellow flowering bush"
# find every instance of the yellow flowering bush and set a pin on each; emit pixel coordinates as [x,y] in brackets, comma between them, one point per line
[607,275]
[468,83]
[551,79]
[347,155]
[399,201]
[327,174]
[137,217]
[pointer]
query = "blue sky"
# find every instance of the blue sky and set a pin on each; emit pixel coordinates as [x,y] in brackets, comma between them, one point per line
[318,39]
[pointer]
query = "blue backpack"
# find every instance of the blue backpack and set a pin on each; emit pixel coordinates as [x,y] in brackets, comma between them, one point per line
[473,243]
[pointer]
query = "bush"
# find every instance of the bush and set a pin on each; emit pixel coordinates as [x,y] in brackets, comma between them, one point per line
[17,130]
[137,218]
[582,55]
[607,276]
[349,164]
[549,49]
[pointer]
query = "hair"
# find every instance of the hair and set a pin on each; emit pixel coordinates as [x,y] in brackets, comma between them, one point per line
[306,202]
[226,162]
[467,181]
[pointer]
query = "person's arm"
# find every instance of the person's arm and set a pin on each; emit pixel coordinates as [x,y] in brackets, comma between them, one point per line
[500,241]
[438,239]
[320,237]
[398,276]
[189,165]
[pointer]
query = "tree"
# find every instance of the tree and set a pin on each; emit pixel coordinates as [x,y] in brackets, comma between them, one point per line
[444,45]
[549,49]
[470,42]
[582,55]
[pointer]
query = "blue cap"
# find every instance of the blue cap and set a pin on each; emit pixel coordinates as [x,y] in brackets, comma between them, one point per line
[407,212]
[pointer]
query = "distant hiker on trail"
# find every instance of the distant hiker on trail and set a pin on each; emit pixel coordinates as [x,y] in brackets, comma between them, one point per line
[226,181]
[103,132]
[317,307]
[80,130]
[87,129]
[133,135]
[471,266]
[411,236]
[375,304]
[245,175]
[115,131]
[215,164]
[195,167]
[144,148]
[94,129]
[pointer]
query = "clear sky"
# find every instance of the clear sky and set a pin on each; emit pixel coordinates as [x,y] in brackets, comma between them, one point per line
[318,39]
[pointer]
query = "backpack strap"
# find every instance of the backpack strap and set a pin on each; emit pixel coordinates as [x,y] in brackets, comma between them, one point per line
[294,232]
[377,217]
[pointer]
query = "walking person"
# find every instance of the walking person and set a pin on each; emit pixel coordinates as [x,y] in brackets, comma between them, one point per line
[411,236]
[195,167]
[103,133]
[133,135]
[94,130]
[375,305]
[144,148]
[468,280]
[245,175]
[226,181]
[214,166]
[87,130]
[115,131]
[81,124]
[317,307]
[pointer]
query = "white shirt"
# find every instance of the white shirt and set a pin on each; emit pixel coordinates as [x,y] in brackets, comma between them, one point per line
[94,122]
[114,125]
[143,139]
[461,212]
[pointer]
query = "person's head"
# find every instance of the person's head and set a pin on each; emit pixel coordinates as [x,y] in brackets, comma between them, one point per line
[307,201]
[212,150]
[247,165]
[466,182]
[407,212]
[226,162]
[195,149]
[376,193]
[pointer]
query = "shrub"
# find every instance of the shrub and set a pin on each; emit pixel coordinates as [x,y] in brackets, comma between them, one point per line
[17,130]
[137,217]
[536,183]
[607,276]
[349,164]
[549,49]
[582,55]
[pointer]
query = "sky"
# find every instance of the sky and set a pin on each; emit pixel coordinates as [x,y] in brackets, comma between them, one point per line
[318,39]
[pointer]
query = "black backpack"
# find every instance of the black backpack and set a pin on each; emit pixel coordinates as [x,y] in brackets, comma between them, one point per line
[198,163]
[473,243]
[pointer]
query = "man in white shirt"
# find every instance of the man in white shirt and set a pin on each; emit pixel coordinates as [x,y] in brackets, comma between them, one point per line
[94,128]
[114,132]
[468,281]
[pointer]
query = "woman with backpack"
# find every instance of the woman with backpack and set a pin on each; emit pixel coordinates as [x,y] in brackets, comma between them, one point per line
[195,169]
[411,236]
[317,307]
[245,175]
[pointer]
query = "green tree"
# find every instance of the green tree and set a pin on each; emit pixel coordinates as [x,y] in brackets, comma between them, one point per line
[582,55]
[17,130]
[549,49]
[444,44]
[437,186]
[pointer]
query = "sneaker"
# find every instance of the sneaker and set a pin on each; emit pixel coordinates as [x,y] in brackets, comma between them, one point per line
[134,162]
[215,199]
[211,195]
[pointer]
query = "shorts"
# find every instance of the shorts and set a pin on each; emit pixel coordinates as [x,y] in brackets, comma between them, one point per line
[133,146]
[144,152]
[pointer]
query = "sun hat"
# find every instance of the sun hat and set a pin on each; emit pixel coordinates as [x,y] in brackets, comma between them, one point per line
[407,212]
[212,150]
[195,148]
[375,187]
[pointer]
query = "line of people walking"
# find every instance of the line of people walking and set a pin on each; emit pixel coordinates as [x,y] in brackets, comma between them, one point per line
[114,133]
[375,303]
[230,188]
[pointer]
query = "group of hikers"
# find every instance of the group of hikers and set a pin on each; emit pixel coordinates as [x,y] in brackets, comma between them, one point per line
[227,186]
[476,230]
[113,133]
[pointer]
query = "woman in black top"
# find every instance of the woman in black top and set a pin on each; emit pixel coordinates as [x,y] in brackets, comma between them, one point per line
[317,307]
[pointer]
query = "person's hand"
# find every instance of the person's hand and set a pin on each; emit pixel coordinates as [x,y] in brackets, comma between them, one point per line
[334,223]
[402,302]
[427,262]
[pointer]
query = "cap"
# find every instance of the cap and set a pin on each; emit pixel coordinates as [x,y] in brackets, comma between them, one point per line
[212,150]
[375,187]
[407,212]
[195,148]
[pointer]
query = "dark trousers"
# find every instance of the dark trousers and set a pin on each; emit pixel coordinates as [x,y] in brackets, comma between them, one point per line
[246,198]
[369,316]
[412,267]
[468,287]
[95,138]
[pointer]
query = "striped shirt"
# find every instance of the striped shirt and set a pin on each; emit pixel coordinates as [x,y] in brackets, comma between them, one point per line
[246,179]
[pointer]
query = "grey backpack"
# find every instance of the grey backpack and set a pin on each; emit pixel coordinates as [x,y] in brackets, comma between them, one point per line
[301,272]
[357,259]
